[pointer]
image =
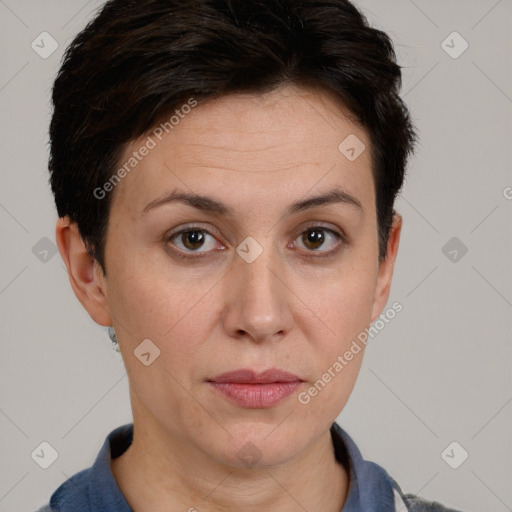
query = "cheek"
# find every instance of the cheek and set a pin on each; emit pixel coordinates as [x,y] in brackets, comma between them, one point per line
[341,302]
[163,307]
[336,341]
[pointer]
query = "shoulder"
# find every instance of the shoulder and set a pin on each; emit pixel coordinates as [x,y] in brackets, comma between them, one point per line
[372,484]
[412,503]
[94,488]
[417,504]
[73,494]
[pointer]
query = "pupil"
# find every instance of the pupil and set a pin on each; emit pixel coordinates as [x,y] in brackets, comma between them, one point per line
[194,237]
[315,236]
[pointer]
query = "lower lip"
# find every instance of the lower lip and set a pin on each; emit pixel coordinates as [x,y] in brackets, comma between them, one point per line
[256,396]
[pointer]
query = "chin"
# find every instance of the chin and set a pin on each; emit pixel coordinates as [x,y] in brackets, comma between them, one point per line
[259,445]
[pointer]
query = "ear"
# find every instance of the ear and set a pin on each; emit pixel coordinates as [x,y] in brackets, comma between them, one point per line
[386,268]
[85,274]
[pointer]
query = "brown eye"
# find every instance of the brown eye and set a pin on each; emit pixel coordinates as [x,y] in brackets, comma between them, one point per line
[315,238]
[190,240]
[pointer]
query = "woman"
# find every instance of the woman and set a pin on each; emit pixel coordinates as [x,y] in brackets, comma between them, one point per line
[225,174]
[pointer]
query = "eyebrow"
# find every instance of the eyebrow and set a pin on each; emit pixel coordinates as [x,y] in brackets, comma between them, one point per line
[211,205]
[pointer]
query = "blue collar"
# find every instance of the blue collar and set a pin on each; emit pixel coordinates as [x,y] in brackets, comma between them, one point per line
[371,489]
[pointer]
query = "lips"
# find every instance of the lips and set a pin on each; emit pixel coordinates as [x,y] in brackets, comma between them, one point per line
[251,377]
[252,390]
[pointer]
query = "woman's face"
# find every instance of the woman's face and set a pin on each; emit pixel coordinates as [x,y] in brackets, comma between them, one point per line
[257,284]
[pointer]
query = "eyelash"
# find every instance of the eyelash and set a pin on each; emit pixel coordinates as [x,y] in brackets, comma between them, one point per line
[201,255]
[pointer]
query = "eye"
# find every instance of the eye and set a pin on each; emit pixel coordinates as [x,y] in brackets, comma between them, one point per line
[195,240]
[314,237]
[191,239]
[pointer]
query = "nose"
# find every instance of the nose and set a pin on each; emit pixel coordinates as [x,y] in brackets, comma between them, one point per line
[258,296]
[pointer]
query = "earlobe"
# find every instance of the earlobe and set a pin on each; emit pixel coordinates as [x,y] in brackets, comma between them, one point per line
[386,268]
[85,275]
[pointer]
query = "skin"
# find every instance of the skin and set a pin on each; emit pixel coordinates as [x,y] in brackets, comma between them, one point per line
[257,154]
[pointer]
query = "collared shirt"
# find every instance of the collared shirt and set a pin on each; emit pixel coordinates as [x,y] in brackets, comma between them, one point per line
[371,489]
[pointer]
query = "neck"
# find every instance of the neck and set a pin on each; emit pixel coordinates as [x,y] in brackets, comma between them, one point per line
[160,473]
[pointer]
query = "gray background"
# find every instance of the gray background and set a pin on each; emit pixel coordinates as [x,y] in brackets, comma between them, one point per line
[439,372]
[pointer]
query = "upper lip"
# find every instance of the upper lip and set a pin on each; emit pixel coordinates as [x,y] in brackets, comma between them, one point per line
[248,376]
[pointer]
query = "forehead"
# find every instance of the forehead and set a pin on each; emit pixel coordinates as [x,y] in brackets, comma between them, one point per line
[289,141]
